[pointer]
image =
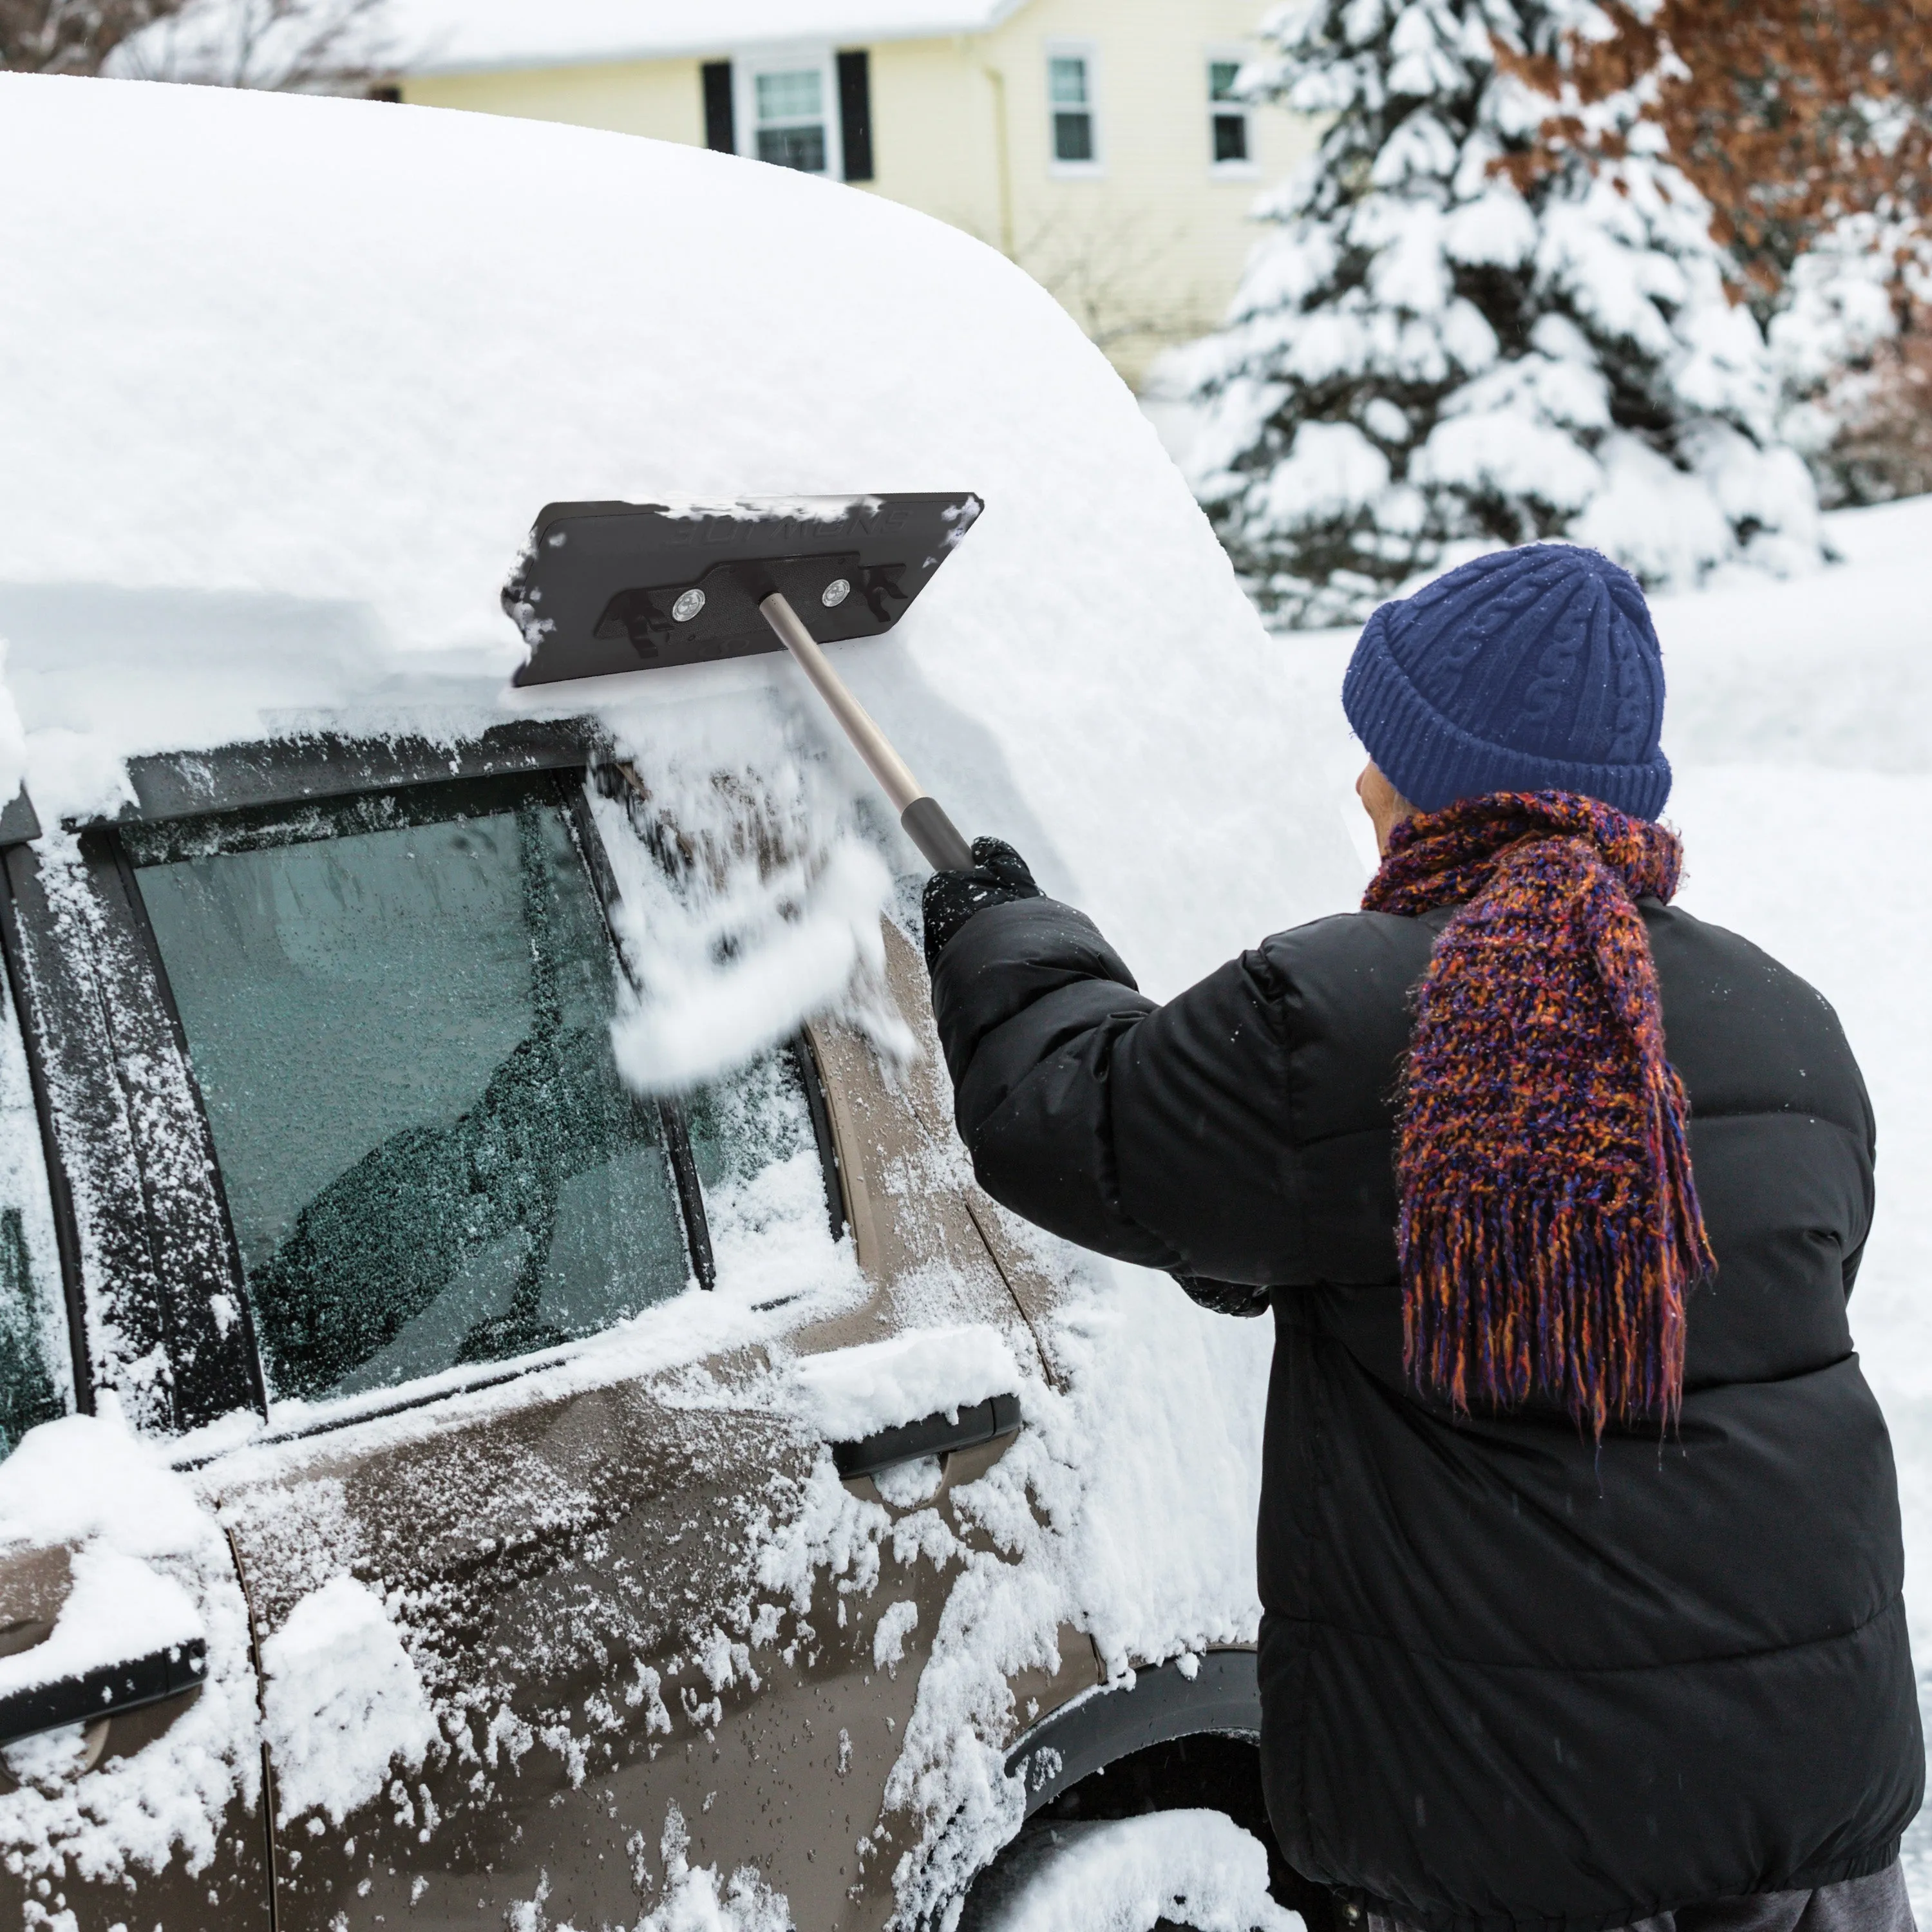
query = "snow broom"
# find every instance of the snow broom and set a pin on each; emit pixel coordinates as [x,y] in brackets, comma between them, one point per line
[603,588]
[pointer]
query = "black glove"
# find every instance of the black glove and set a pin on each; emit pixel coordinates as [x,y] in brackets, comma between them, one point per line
[999,876]
[1225,1297]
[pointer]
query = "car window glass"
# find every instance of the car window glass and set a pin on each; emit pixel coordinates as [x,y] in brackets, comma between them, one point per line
[36,1366]
[401,1035]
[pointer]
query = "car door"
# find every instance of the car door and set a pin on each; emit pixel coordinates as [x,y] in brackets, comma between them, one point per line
[512,1331]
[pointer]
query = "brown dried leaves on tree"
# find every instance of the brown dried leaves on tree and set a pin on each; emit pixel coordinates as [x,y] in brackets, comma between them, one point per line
[1787,115]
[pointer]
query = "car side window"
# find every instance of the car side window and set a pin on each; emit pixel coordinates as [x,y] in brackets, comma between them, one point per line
[36,1360]
[398,1014]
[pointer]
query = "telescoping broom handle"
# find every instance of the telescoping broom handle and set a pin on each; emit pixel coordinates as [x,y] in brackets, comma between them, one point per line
[921,814]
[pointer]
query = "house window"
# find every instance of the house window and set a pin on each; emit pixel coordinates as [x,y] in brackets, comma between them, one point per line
[1070,94]
[789,106]
[809,111]
[1227,116]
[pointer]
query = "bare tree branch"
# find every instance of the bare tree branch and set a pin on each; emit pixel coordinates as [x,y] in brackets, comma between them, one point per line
[71,36]
[1117,277]
[307,46]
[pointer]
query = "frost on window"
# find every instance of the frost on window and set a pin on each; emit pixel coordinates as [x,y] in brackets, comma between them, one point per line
[763,1179]
[36,1369]
[401,1033]
[28,1393]
[752,1120]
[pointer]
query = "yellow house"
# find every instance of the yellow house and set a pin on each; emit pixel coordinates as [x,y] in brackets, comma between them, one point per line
[1097,142]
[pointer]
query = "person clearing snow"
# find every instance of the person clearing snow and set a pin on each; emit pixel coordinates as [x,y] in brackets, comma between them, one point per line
[1580,1547]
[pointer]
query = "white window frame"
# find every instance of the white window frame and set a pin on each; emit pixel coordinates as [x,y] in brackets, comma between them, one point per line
[1082,50]
[745,68]
[1250,169]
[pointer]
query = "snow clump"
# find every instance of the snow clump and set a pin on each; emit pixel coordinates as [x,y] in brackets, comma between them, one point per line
[1194,1868]
[341,1702]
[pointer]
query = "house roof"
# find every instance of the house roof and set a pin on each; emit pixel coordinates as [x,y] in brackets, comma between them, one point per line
[470,36]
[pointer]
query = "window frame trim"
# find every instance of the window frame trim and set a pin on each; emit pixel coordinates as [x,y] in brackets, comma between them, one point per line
[60,1187]
[151,1259]
[144,934]
[1065,48]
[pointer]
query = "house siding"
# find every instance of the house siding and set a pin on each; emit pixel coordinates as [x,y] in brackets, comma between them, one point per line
[1144,250]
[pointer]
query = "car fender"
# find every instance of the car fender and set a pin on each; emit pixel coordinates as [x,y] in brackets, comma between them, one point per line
[1222,1695]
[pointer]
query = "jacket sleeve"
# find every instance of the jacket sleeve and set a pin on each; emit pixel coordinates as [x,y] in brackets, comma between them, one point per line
[1155,1134]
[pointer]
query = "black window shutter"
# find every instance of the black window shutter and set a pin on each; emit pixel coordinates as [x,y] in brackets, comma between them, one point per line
[719,130]
[855,113]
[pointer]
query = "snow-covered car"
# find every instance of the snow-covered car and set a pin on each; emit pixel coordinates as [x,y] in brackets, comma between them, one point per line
[514,1409]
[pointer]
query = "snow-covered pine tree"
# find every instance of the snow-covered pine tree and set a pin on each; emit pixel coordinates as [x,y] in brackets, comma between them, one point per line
[1428,360]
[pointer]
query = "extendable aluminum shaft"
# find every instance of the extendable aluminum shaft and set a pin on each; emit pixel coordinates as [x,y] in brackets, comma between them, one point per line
[923,817]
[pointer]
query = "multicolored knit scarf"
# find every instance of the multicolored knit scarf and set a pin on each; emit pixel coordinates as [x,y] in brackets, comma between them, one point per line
[1549,1228]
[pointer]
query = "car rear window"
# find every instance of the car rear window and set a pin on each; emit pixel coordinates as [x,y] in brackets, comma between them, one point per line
[398,1015]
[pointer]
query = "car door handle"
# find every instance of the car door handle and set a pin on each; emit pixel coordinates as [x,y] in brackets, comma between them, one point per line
[105,1691]
[936,1434]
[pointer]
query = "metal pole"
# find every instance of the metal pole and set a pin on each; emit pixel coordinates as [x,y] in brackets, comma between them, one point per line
[926,822]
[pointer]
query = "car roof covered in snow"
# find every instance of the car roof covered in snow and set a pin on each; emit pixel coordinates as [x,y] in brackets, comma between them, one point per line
[290,377]
[464,36]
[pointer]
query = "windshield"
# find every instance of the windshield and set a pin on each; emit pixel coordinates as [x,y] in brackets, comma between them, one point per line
[398,1013]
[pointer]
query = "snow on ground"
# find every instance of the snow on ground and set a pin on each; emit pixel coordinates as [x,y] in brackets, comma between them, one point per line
[1196,1868]
[1799,722]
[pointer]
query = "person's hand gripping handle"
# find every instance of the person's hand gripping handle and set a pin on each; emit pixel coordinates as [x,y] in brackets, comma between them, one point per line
[922,816]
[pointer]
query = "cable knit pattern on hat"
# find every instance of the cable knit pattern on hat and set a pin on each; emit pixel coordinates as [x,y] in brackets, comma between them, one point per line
[1532,670]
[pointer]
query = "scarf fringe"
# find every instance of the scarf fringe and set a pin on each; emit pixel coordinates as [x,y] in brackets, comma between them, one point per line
[1583,1298]
[1548,1227]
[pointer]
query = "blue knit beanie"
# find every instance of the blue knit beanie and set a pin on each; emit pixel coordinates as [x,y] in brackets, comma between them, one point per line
[1531,670]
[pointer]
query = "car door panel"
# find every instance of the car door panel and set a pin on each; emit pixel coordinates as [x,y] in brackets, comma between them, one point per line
[566,1571]
[908,1180]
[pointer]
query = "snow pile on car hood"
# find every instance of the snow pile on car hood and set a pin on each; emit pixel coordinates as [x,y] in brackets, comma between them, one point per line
[293,377]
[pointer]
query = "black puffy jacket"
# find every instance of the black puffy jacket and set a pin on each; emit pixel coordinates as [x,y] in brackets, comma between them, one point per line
[1509,1679]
